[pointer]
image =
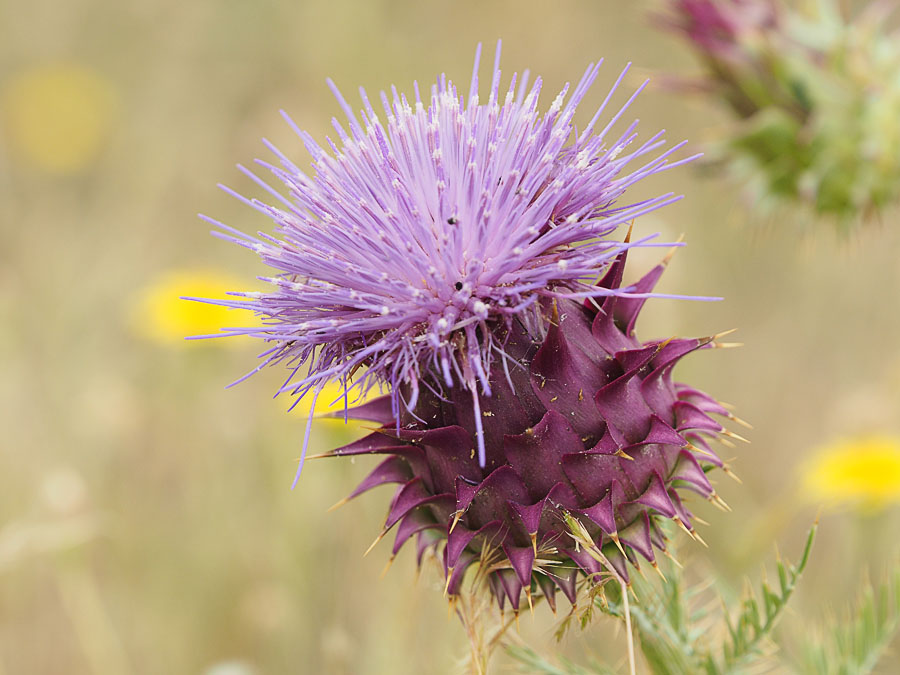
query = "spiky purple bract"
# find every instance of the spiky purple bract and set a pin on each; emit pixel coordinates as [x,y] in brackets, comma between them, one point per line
[421,233]
[586,423]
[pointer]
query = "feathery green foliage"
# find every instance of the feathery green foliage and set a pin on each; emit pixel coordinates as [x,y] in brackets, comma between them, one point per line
[749,632]
[674,632]
[665,624]
[532,662]
[855,645]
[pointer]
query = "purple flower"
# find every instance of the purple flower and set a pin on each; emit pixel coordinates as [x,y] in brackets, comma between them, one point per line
[716,27]
[586,422]
[813,88]
[460,253]
[420,232]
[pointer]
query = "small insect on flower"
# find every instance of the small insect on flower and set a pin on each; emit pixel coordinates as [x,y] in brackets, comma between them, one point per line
[460,253]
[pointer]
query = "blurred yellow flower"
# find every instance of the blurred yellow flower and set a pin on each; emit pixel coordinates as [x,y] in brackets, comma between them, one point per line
[864,471]
[331,400]
[58,115]
[160,315]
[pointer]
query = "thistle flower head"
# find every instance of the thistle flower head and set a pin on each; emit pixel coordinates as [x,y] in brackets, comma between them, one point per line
[815,94]
[461,253]
[590,447]
[426,226]
[718,28]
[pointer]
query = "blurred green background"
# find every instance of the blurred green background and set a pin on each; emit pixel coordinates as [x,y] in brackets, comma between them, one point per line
[146,521]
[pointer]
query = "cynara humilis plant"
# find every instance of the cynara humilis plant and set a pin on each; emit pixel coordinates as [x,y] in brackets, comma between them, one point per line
[814,94]
[463,254]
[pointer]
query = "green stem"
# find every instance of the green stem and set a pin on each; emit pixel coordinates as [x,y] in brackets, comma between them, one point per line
[629,636]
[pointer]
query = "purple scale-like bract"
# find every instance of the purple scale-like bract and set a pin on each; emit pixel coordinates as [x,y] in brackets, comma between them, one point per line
[458,252]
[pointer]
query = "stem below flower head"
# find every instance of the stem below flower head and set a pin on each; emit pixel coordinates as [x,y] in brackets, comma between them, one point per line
[475,609]
[581,537]
[629,636]
[472,618]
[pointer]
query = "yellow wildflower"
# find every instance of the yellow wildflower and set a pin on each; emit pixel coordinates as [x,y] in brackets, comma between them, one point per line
[863,470]
[58,116]
[161,316]
[330,400]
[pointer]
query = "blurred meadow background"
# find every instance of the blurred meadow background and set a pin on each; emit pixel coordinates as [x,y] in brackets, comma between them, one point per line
[146,520]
